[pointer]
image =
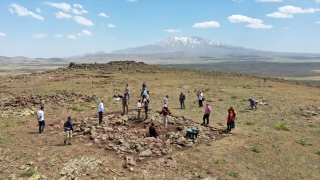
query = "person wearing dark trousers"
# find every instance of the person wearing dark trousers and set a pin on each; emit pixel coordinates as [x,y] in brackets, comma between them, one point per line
[40,118]
[181,99]
[144,94]
[200,97]
[100,111]
[230,119]
[207,112]
[153,131]
[146,108]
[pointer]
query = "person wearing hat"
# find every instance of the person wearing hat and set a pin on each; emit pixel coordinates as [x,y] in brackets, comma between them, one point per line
[165,113]
[40,118]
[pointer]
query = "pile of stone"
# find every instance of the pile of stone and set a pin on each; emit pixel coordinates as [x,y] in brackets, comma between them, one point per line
[126,136]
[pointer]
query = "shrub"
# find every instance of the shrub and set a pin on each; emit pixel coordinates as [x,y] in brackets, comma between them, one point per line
[303,142]
[27,173]
[207,89]
[318,151]
[220,99]
[219,161]
[242,111]
[72,64]
[282,126]
[255,149]
[250,123]
[233,97]
[76,108]
[275,145]
[311,125]
[305,114]
[234,174]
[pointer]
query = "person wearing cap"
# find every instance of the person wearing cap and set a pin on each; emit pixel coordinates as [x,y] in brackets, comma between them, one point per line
[68,129]
[100,111]
[165,113]
[181,99]
[40,118]
[207,112]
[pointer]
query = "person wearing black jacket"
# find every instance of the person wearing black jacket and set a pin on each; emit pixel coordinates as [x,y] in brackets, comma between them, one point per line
[68,129]
[181,99]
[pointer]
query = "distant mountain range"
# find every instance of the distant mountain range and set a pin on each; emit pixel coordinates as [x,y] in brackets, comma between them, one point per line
[191,45]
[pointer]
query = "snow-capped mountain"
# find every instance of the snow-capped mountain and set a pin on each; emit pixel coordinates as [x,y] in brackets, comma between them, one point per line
[191,45]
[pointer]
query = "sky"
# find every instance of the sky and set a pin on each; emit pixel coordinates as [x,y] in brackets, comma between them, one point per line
[45,29]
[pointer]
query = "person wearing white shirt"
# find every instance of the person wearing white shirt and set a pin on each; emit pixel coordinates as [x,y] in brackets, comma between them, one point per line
[100,111]
[200,99]
[139,108]
[165,100]
[40,118]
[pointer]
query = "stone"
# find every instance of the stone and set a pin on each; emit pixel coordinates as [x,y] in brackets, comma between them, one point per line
[146,153]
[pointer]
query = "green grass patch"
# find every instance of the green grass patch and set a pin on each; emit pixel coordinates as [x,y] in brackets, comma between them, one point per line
[250,123]
[219,161]
[305,114]
[318,152]
[303,142]
[243,100]
[255,149]
[242,111]
[5,140]
[312,125]
[234,174]
[220,99]
[5,125]
[207,89]
[27,173]
[282,127]
[275,145]
[76,108]
[233,96]
[78,82]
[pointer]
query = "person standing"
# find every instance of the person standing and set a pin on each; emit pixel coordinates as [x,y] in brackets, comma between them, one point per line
[146,108]
[40,118]
[165,113]
[230,119]
[139,108]
[144,94]
[200,97]
[181,99]
[125,103]
[144,86]
[100,111]
[207,112]
[165,100]
[68,129]
[127,91]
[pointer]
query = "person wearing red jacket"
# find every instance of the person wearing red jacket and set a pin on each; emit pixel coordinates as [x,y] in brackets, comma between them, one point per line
[230,119]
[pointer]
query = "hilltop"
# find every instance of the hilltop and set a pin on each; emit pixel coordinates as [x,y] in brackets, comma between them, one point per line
[279,140]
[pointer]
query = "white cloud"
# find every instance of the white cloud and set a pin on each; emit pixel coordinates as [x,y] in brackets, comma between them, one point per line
[39,35]
[103,15]
[111,26]
[317,1]
[132,0]
[3,34]
[64,6]
[58,35]
[83,21]
[76,11]
[239,1]
[241,19]
[296,10]
[62,15]
[22,11]
[84,33]
[286,28]
[269,0]
[259,26]
[280,15]
[209,24]
[38,10]
[72,37]
[78,6]
[318,22]
[172,30]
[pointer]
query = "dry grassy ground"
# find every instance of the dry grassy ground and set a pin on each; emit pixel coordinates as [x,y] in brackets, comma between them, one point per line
[255,150]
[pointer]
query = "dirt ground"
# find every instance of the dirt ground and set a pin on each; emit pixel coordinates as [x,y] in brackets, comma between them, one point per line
[279,140]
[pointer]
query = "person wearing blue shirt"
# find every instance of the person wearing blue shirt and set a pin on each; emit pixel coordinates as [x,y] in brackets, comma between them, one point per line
[68,129]
[252,103]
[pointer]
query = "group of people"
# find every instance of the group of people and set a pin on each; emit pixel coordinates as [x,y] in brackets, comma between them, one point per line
[144,104]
